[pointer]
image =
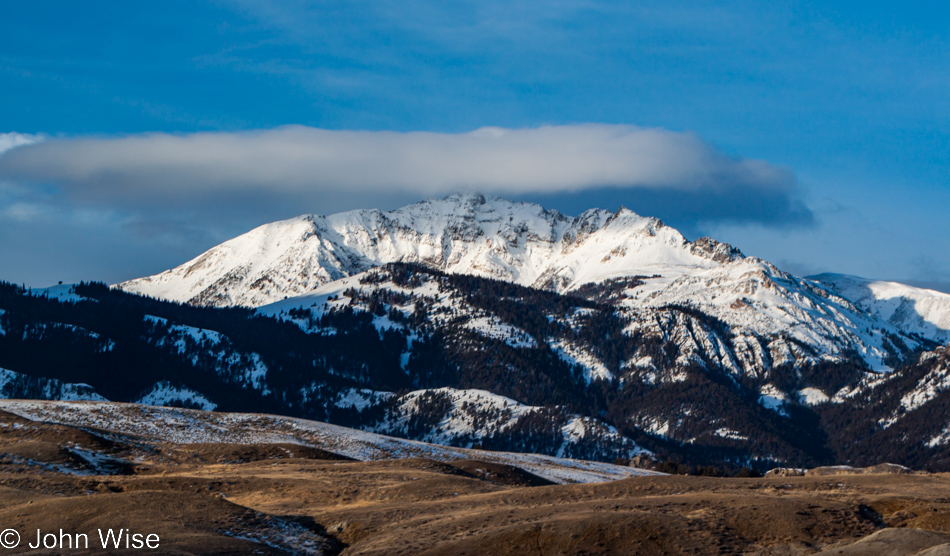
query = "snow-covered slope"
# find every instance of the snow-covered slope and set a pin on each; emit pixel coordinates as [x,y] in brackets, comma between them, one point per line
[469,417]
[245,369]
[773,315]
[772,319]
[165,393]
[913,310]
[463,234]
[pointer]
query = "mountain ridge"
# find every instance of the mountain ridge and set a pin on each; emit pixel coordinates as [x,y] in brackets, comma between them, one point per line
[916,310]
[468,234]
[646,263]
[522,243]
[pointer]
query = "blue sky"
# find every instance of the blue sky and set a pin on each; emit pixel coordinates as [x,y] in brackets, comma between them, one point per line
[847,98]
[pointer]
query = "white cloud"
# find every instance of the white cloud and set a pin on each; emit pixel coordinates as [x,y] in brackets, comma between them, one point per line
[13,139]
[307,164]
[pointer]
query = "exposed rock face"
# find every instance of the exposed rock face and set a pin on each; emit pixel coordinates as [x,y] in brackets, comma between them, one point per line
[712,249]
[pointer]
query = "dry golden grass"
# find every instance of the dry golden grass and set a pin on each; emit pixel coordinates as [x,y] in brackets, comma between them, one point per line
[227,499]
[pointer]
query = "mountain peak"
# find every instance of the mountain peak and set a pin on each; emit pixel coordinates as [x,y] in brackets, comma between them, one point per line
[463,233]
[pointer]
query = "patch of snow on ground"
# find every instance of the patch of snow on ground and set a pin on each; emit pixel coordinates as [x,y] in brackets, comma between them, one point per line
[52,389]
[254,373]
[38,330]
[164,393]
[465,415]
[63,292]
[361,398]
[869,381]
[928,388]
[730,434]
[940,439]
[285,536]
[78,391]
[494,328]
[594,369]
[934,382]
[770,397]
[579,428]
[660,428]
[812,396]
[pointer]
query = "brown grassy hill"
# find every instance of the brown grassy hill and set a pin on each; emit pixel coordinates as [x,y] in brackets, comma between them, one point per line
[225,498]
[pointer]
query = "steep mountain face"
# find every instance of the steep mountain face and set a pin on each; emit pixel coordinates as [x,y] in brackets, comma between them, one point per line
[461,234]
[777,320]
[901,414]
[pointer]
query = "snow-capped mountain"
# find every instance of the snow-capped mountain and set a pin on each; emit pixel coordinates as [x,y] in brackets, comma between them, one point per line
[482,322]
[645,263]
[783,340]
[461,234]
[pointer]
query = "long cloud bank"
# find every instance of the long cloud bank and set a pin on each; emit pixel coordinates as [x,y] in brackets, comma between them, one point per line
[303,166]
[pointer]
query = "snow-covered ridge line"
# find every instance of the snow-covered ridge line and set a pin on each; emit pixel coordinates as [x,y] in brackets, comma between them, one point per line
[162,424]
[475,415]
[913,310]
[463,234]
